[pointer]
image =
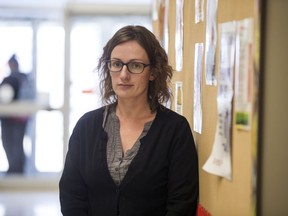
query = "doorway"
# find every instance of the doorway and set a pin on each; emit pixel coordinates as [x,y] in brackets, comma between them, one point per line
[62,59]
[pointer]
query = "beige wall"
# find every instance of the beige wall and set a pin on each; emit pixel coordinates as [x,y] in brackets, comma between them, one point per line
[275,122]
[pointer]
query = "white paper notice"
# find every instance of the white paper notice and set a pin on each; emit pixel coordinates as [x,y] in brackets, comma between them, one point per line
[179,97]
[199,11]
[219,162]
[211,41]
[197,114]
[166,27]
[244,74]
[179,35]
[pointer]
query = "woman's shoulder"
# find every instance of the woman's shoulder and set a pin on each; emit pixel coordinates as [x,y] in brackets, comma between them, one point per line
[95,112]
[91,117]
[170,119]
[169,114]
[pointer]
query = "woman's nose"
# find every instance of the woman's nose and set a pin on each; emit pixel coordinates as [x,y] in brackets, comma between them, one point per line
[124,73]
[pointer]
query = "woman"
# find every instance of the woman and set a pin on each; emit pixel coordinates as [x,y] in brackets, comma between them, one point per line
[132,157]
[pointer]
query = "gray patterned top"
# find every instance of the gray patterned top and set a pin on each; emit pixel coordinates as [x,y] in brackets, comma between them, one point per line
[118,163]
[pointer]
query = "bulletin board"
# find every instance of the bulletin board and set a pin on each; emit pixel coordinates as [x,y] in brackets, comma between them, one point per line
[219,196]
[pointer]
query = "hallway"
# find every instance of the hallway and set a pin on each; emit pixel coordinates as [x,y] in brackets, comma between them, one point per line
[29,203]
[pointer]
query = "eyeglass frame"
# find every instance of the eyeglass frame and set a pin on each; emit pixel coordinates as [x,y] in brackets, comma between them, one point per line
[108,62]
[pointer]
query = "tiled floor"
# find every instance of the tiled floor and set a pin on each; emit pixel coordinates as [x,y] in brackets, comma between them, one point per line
[24,203]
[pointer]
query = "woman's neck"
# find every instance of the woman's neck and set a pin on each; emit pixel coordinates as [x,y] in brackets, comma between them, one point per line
[133,110]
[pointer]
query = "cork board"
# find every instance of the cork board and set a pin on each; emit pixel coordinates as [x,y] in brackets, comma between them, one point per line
[218,195]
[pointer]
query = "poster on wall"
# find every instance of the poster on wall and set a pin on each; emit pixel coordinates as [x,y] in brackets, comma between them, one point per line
[179,35]
[199,11]
[244,74]
[166,26]
[219,162]
[155,6]
[163,8]
[211,41]
[178,101]
[197,113]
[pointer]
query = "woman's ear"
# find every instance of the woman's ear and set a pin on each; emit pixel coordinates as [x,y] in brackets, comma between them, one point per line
[152,77]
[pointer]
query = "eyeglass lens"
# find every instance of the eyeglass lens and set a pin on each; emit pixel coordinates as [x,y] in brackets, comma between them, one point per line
[133,67]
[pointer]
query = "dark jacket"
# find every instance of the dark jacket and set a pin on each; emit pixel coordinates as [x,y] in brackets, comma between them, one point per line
[162,179]
[14,80]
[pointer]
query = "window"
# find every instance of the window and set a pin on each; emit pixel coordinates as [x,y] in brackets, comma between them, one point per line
[15,38]
[49,83]
[43,142]
[40,47]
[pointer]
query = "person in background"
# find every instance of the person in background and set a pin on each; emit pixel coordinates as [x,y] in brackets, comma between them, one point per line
[133,156]
[13,128]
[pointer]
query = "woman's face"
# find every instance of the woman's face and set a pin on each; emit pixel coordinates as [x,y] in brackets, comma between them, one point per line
[127,85]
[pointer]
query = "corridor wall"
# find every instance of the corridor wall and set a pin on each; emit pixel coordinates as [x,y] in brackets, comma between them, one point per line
[218,195]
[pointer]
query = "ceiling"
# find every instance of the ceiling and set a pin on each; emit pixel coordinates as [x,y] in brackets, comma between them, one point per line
[15,9]
[63,3]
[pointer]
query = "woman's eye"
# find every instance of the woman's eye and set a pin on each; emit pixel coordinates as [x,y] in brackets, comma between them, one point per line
[136,65]
[117,64]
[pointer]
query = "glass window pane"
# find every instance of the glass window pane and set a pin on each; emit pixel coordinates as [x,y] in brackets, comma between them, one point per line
[50,63]
[15,38]
[49,141]
[50,86]
[85,50]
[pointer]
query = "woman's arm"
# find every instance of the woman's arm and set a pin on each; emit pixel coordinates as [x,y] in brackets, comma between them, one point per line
[183,183]
[73,190]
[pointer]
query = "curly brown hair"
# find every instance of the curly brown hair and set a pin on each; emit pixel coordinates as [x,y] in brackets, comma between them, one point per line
[159,91]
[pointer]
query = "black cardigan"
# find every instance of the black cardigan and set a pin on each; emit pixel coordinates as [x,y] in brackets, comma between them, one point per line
[162,179]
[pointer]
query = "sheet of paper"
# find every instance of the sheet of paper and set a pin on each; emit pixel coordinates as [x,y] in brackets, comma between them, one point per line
[166,27]
[197,113]
[179,35]
[199,11]
[211,41]
[179,97]
[163,9]
[219,161]
[244,74]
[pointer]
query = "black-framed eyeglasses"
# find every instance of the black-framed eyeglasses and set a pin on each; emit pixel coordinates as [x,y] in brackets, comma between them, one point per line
[133,66]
